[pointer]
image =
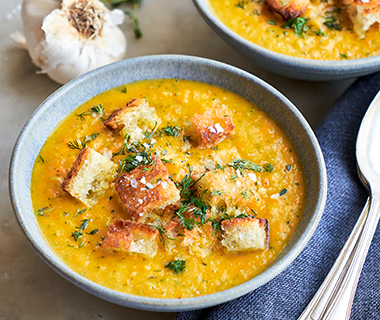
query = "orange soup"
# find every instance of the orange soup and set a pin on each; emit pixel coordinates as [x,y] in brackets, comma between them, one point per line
[253,174]
[323,32]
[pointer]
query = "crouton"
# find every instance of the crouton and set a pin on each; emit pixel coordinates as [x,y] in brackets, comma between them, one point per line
[212,126]
[288,9]
[89,177]
[227,189]
[134,119]
[131,236]
[363,13]
[245,234]
[146,189]
[199,240]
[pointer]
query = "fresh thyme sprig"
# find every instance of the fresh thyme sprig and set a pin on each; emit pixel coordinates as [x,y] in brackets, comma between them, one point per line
[42,211]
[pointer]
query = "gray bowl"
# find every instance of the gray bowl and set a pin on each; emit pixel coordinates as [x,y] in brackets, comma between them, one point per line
[297,68]
[63,101]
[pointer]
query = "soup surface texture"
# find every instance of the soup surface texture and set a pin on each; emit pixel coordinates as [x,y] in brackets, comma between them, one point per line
[75,232]
[323,32]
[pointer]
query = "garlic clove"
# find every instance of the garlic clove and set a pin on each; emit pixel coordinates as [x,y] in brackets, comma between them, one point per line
[33,12]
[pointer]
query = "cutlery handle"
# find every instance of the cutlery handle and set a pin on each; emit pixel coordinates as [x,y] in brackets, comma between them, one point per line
[325,299]
[341,301]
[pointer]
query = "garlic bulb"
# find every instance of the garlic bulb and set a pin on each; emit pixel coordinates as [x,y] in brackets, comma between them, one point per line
[67,38]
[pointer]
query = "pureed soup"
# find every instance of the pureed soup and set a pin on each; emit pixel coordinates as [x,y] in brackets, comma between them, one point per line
[238,178]
[323,32]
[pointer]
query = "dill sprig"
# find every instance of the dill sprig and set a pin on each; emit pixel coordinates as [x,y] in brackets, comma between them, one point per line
[96,109]
[177,266]
[170,131]
[80,144]
[163,234]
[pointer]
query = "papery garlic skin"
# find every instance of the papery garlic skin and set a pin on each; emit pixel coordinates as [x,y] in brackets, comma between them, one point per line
[66,51]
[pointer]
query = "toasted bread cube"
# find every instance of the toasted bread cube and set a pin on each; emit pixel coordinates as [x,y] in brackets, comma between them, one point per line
[89,177]
[132,237]
[199,240]
[134,119]
[228,189]
[245,234]
[213,126]
[146,189]
[362,13]
[288,9]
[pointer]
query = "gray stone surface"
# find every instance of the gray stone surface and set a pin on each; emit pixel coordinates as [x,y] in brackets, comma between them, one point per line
[29,289]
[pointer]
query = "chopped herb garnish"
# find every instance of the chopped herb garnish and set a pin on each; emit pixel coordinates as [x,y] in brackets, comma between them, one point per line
[220,167]
[81,244]
[299,25]
[93,231]
[271,22]
[283,191]
[216,148]
[343,56]
[83,225]
[98,109]
[242,164]
[268,167]
[77,144]
[80,212]
[177,266]
[163,234]
[171,131]
[81,144]
[149,135]
[256,13]
[332,22]
[189,223]
[288,167]
[241,4]
[76,235]
[123,90]
[42,159]
[217,193]
[42,211]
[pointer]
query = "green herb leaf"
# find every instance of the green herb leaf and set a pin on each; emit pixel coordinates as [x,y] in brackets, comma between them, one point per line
[283,191]
[42,211]
[271,22]
[76,235]
[269,167]
[243,164]
[80,212]
[298,24]
[177,266]
[288,167]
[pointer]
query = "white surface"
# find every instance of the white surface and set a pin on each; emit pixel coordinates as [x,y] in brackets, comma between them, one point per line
[29,289]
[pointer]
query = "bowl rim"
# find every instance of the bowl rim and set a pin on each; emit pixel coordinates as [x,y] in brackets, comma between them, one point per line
[204,7]
[159,304]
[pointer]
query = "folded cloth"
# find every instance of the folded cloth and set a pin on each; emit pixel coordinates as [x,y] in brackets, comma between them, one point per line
[287,295]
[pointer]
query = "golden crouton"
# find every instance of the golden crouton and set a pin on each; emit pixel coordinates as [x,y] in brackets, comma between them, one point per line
[131,236]
[245,234]
[212,126]
[363,13]
[147,188]
[134,119]
[89,177]
[288,9]
[228,189]
[199,240]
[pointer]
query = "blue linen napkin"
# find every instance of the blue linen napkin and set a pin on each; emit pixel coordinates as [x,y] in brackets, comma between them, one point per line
[287,295]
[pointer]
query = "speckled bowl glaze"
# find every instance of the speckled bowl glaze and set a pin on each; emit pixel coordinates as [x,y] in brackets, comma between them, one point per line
[68,97]
[297,68]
